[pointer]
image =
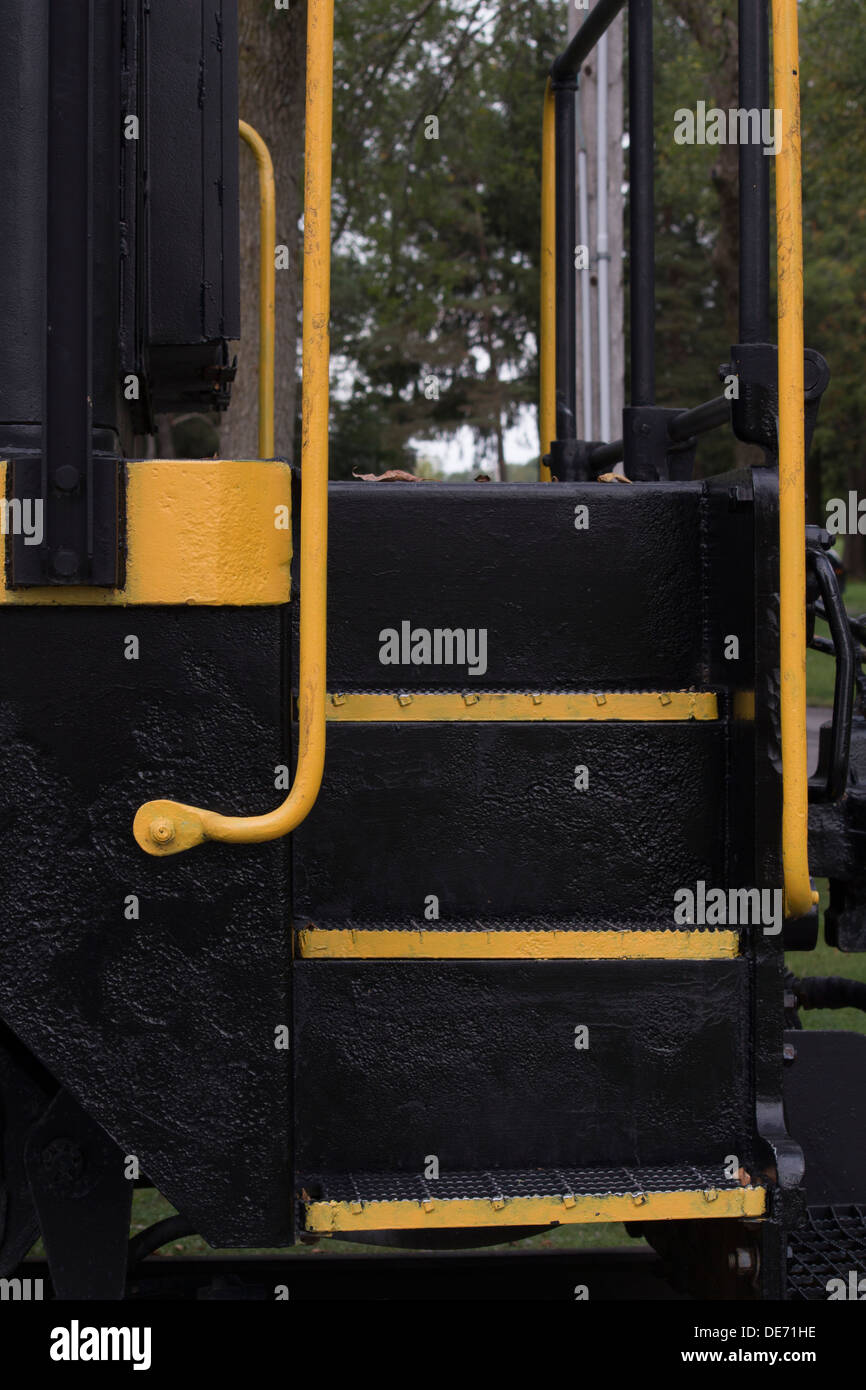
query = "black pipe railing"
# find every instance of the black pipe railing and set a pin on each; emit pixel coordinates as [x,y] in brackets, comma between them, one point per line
[754,220]
[641,193]
[563,78]
[754,95]
[700,420]
[606,455]
[564,98]
[597,22]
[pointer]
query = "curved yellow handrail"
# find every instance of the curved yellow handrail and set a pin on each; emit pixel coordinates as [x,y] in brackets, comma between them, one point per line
[799,896]
[547,330]
[267,285]
[168,827]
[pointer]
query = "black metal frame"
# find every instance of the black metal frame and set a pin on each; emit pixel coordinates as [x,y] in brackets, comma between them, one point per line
[657,443]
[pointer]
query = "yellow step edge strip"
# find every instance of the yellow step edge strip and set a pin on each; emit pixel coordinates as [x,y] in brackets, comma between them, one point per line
[433,706]
[404,1215]
[319,943]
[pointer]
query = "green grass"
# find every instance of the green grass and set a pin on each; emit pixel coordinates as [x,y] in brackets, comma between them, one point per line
[148,1206]
[820,669]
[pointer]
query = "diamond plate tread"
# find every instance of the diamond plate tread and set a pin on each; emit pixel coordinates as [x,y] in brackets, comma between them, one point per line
[555,1183]
[526,925]
[830,1244]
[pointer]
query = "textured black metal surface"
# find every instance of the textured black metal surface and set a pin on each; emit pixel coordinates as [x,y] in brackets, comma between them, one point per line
[616,606]
[192,140]
[829,1245]
[487,818]
[506,1184]
[476,1063]
[163,1028]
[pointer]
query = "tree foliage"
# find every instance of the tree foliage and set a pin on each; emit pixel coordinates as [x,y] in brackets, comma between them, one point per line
[436,219]
[436,240]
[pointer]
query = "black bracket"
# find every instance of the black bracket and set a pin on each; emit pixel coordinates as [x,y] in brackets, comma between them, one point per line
[649,453]
[569,461]
[72,522]
[83,1201]
[755,410]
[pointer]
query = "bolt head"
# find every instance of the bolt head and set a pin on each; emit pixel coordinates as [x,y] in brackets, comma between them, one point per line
[67,477]
[162,830]
[65,563]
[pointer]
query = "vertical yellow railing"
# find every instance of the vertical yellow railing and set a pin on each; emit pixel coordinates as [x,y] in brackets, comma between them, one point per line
[167,827]
[547,345]
[799,896]
[267,285]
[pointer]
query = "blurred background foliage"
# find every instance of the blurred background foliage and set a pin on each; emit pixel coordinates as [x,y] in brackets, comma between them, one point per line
[436,240]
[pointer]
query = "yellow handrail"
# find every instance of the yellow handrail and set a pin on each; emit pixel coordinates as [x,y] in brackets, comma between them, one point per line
[547,345]
[799,896]
[267,285]
[168,827]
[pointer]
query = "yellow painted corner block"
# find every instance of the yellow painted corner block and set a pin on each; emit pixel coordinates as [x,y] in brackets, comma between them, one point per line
[199,531]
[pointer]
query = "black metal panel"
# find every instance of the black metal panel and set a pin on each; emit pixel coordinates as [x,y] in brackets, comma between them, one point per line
[641,208]
[42,177]
[23,184]
[565,327]
[193,171]
[487,818]
[475,1062]
[614,606]
[59,307]
[824,1089]
[162,1027]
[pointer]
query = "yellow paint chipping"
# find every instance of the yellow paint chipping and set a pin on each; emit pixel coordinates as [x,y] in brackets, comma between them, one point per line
[481,706]
[199,531]
[534,1211]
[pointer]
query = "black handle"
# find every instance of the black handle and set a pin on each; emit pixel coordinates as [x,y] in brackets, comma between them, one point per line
[843,647]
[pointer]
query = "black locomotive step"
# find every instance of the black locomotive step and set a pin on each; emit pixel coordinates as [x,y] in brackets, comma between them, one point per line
[524,1197]
[532,587]
[519,1063]
[597,824]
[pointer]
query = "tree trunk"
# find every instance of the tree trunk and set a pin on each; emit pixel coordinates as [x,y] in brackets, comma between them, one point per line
[272,64]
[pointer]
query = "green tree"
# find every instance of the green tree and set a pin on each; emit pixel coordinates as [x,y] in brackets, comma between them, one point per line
[437,195]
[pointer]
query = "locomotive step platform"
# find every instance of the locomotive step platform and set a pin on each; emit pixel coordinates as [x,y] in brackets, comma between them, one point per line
[401,1201]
